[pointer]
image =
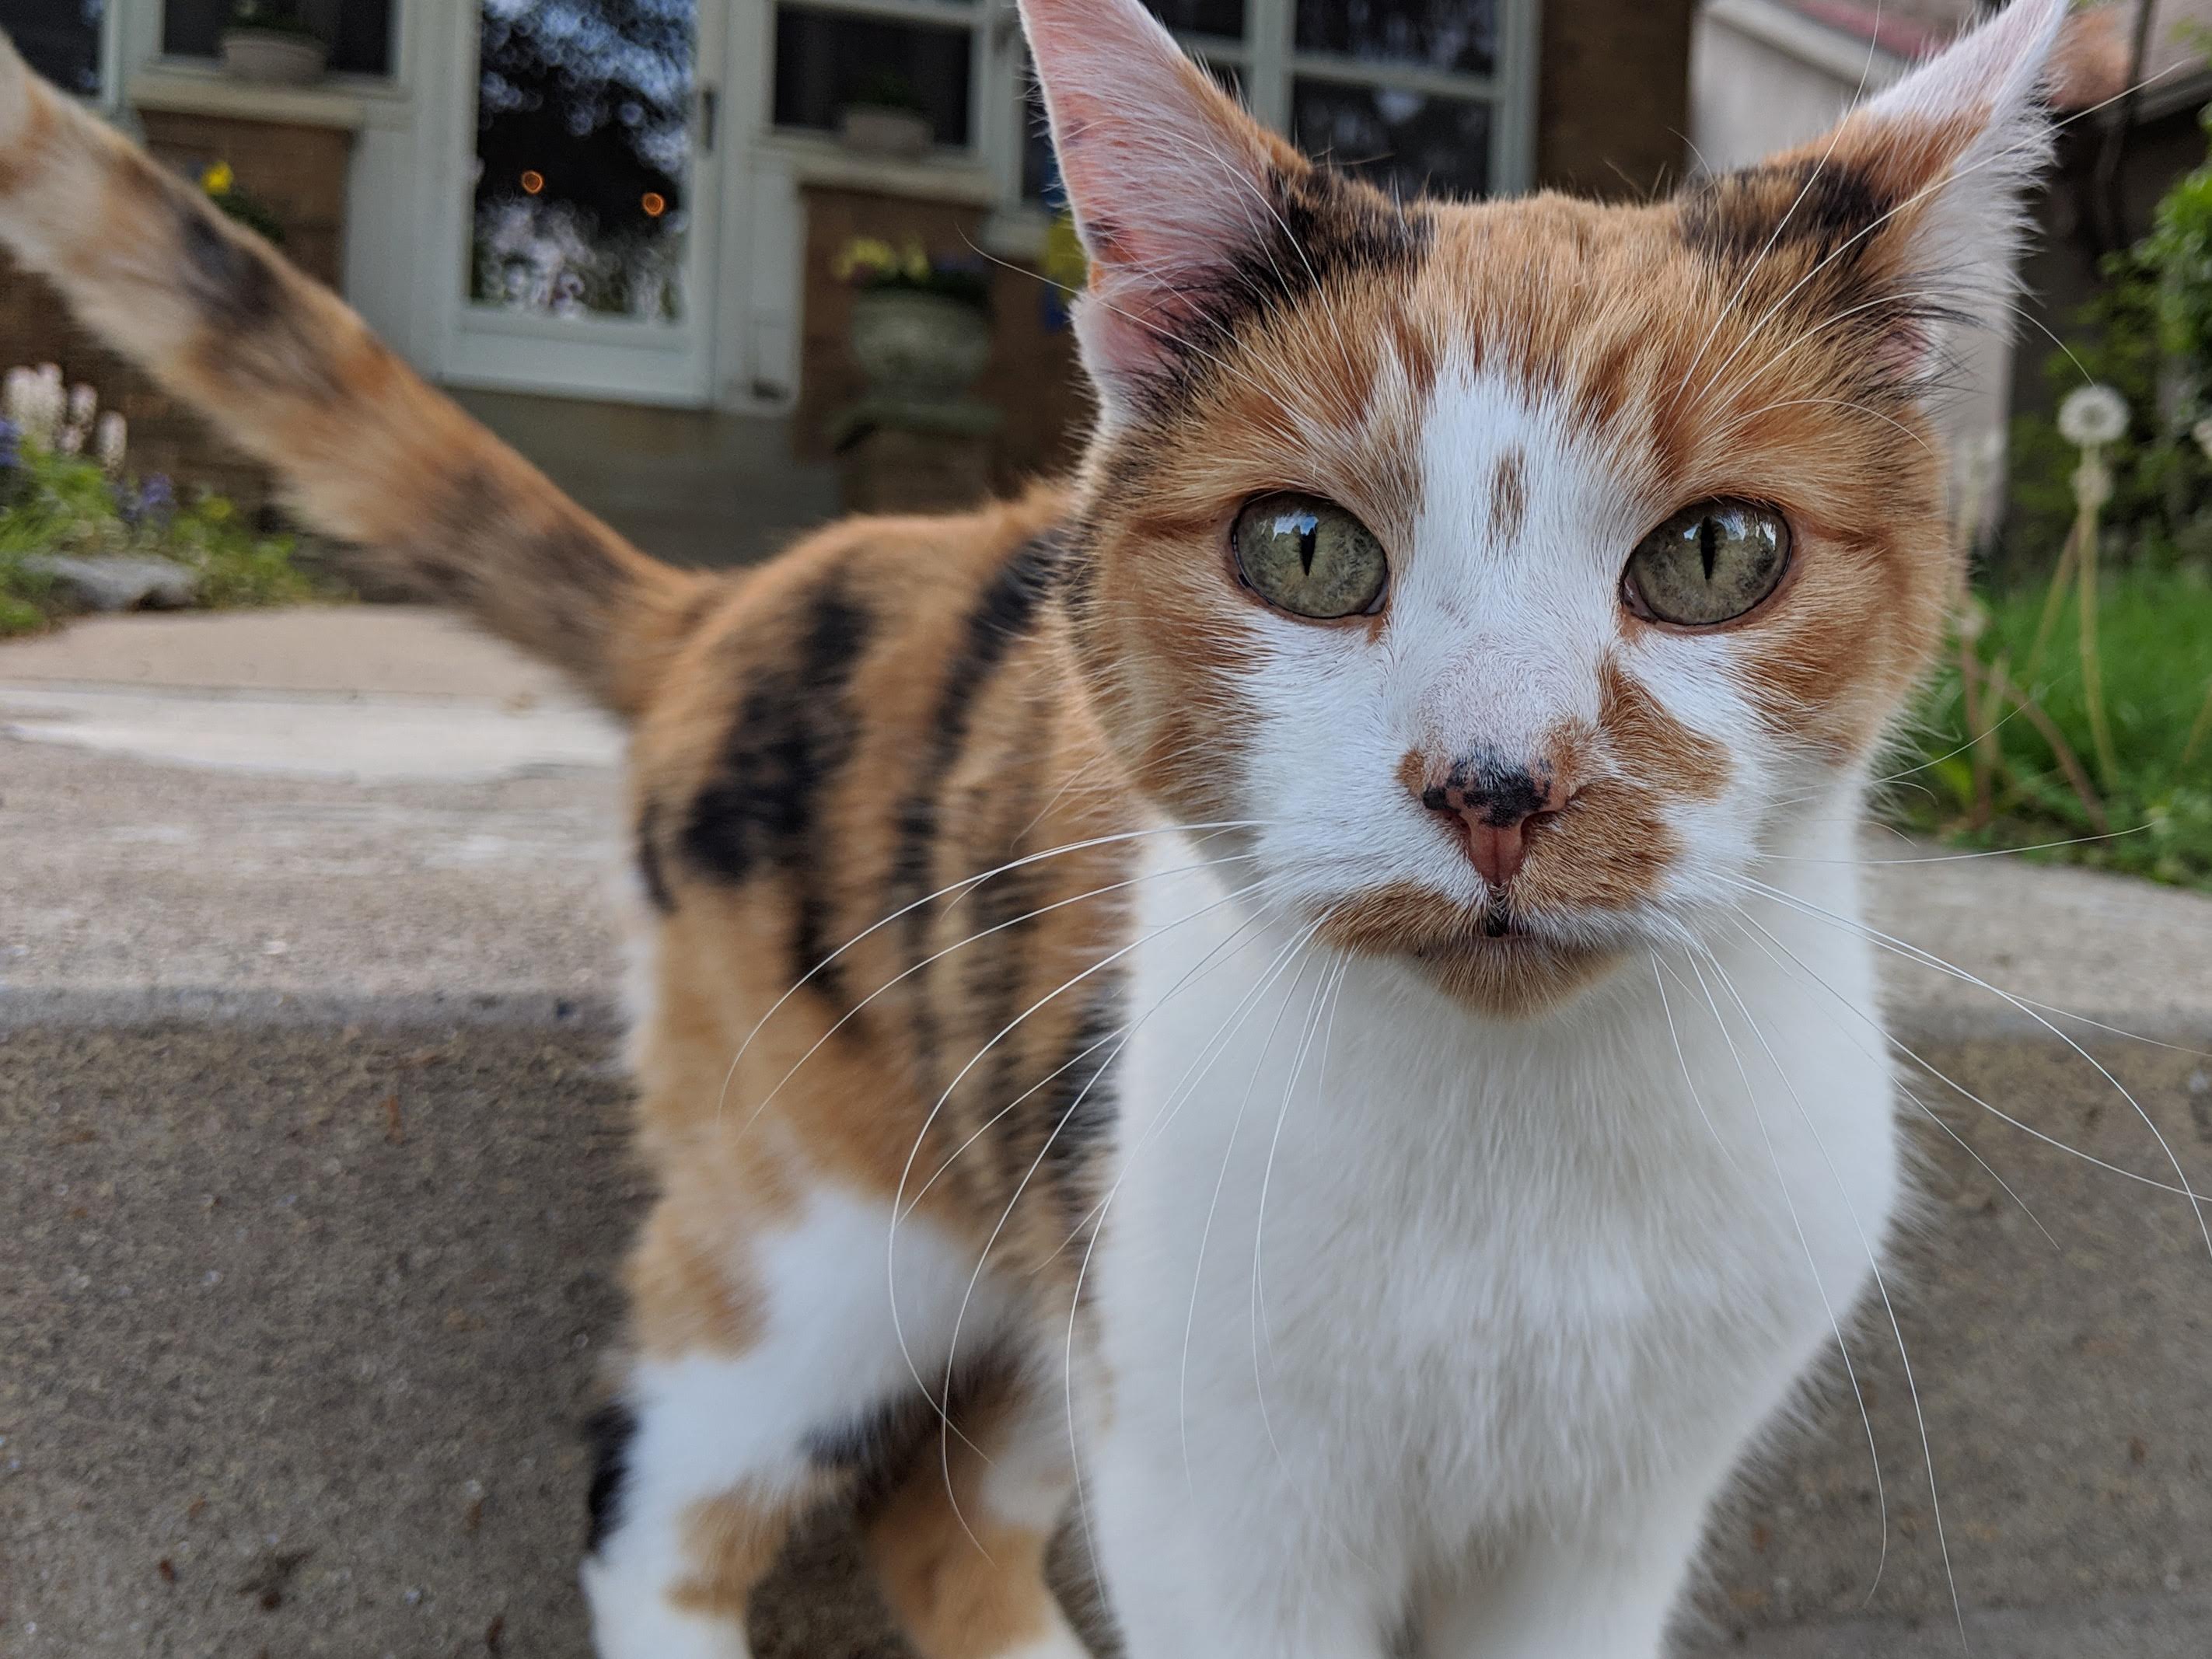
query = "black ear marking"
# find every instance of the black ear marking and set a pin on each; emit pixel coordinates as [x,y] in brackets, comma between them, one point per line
[1822,206]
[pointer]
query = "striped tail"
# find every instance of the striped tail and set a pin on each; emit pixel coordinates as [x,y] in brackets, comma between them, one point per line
[364,450]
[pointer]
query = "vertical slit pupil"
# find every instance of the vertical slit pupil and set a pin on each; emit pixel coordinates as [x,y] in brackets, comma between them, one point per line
[1708,537]
[1308,541]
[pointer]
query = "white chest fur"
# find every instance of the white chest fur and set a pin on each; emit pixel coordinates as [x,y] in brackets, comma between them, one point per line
[1423,1283]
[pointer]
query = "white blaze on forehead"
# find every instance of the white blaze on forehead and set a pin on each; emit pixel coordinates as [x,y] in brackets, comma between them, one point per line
[1502,616]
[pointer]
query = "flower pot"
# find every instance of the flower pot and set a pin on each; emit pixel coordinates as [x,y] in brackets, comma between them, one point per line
[873,130]
[918,348]
[273,57]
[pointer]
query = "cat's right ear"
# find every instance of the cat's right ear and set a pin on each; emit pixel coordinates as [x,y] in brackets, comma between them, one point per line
[1174,188]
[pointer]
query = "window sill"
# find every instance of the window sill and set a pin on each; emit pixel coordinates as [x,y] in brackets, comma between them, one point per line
[190,90]
[947,178]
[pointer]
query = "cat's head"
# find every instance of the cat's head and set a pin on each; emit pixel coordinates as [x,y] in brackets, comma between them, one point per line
[1523,568]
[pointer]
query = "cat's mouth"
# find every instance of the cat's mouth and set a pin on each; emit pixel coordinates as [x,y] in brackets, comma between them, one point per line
[1498,958]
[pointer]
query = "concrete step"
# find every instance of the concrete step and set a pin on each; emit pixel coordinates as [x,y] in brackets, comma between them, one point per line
[318,1184]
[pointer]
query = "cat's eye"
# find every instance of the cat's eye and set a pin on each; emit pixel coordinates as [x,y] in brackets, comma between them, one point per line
[1709,563]
[1310,557]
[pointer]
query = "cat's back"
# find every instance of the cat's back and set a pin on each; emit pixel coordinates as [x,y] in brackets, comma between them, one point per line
[876,826]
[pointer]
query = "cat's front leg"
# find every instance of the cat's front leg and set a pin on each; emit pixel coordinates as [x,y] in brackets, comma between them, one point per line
[1207,1565]
[1607,1593]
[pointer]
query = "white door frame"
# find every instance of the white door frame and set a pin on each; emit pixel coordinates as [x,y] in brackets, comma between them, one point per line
[589,357]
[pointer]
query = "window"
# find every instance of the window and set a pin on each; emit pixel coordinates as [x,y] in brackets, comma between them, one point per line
[358,31]
[60,39]
[825,60]
[1400,91]
[1415,94]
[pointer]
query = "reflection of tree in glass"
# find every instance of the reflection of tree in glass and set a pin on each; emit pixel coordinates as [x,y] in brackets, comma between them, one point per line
[1444,34]
[582,150]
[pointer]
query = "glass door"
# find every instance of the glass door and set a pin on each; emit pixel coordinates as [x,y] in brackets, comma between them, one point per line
[589,192]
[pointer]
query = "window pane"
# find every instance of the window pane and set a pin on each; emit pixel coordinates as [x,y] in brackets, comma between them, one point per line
[60,39]
[824,63]
[1406,142]
[1202,16]
[1458,35]
[358,31]
[583,157]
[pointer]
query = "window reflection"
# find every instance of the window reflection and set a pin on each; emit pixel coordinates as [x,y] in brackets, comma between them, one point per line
[824,62]
[1224,17]
[1407,141]
[1458,35]
[60,39]
[583,157]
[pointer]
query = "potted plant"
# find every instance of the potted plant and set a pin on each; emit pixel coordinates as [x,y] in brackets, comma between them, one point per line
[271,42]
[921,330]
[885,116]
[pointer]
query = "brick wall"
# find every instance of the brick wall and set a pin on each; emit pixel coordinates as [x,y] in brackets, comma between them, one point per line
[299,170]
[1032,375]
[1613,95]
[36,327]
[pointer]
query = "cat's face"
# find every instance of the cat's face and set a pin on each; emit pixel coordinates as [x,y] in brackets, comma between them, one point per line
[1519,571]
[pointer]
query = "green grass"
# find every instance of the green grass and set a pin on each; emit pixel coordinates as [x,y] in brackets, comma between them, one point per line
[2155,638]
[54,504]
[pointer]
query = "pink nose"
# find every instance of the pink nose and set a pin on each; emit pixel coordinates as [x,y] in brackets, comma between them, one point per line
[1493,802]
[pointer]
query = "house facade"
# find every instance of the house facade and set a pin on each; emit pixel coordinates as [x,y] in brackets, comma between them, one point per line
[639,201]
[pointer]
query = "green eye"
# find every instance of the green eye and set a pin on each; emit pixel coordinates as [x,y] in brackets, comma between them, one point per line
[1709,563]
[1309,557]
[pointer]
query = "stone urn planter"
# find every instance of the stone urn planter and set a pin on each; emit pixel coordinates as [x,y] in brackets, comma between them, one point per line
[277,57]
[918,348]
[871,130]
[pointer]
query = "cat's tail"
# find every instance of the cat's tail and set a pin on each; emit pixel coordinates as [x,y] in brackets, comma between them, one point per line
[365,449]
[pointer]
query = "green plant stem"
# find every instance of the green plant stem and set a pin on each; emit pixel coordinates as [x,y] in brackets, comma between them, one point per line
[1982,718]
[2198,730]
[2061,751]
[2054,601]
[2093,671]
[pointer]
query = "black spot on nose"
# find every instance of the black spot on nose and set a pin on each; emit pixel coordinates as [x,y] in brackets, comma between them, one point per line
[1483,786]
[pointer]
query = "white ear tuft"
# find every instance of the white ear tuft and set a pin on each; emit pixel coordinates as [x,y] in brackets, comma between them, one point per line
[1171,184]
[1979,112]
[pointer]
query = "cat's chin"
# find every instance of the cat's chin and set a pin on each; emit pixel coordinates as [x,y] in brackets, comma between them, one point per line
[1489,962]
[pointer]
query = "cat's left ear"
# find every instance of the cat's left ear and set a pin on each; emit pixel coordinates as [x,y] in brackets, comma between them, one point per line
[1175,191]
[1918,196]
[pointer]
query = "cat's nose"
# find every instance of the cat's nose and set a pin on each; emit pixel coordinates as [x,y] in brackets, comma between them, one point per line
[1493,802]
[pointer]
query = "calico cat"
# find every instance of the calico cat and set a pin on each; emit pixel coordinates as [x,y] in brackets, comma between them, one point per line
[1253,996]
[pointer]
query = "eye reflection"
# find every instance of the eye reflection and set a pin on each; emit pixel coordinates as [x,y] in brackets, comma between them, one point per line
[1309,557]
[1709,563]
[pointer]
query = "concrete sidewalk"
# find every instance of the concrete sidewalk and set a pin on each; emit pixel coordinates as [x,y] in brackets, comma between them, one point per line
[303,1073]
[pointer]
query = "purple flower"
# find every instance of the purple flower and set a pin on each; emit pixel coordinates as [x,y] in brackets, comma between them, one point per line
[153,498]
[11,446]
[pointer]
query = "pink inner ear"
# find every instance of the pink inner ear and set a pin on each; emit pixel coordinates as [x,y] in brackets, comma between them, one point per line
[1168,179]
[1903,350]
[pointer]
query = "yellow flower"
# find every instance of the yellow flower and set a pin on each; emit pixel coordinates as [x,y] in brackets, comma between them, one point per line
[218,179]
[862,253]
